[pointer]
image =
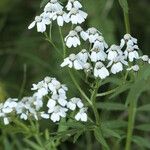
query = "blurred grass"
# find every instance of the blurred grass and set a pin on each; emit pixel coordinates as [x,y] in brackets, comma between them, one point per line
[18,46]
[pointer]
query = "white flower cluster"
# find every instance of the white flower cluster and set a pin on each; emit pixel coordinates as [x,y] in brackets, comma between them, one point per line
[55,11]
[58,104]
[102,60]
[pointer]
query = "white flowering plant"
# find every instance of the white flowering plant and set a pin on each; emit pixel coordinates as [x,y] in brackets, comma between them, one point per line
[106,70]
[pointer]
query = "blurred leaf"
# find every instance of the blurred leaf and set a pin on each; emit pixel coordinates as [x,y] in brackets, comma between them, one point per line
[143,127]
[99,136]
[110,133]
[144,108]
[77,135]
[141,141]
[115,124]
[141,84]
[121,89]
[124,5]
[113,80]
[43,3]
[111,106]
[33,145]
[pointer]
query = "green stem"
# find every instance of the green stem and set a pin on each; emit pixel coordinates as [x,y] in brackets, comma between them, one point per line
[89,141]
[50,41]
[63,43]
[131,121]
[107,93]
[127,23]
[24,81]
[50,32]
[93,99]
[78,87]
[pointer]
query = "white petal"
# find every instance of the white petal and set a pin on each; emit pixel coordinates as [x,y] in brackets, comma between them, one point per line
[60,21]
[31,25]
[51,103]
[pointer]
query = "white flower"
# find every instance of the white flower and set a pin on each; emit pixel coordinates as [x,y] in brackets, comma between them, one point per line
[87,67]
[77,16]
[100,70]
[41,93]
[7,108]
[113,52]
[128,40]
[74,102]
[53,5]
[41,22]
[83,56]
[134,68]
[72,39]
[117,59]
[73,4]
[131,53]
[117,64]
[117,67]
[57,113]
[44,115]
[54,85]
[100,43]
[61,17]
[81,115]
[144,58]
[91,34]
[72,62]
[51,104]
[97,54]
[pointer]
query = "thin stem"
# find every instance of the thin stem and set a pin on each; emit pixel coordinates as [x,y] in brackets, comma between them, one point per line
[107,93]
[63,43]
[50,41]
[78,87]
[24,80]
[131,120]
[127,23]
[50,32]
[93,99]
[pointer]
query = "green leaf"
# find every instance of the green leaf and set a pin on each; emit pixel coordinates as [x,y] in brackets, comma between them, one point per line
[143,127]
[43,3]
[110,133]
[33,145]
[141,141]
[115,124]
[113,80]
[124,5]
[144,108]
[120,90]
[98,135]
[77,135]
[111,106]
[141,84]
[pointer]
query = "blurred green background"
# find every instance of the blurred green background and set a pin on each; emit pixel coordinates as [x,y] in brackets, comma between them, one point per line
[26,53]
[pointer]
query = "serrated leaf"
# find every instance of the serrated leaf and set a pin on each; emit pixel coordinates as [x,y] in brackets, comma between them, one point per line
[43,3]
[143,127]
[110,133]
[33,145]
[77,135]
[98,135]
[144,108]
[111,106]
[141,141]
[124,5]
[115,124]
